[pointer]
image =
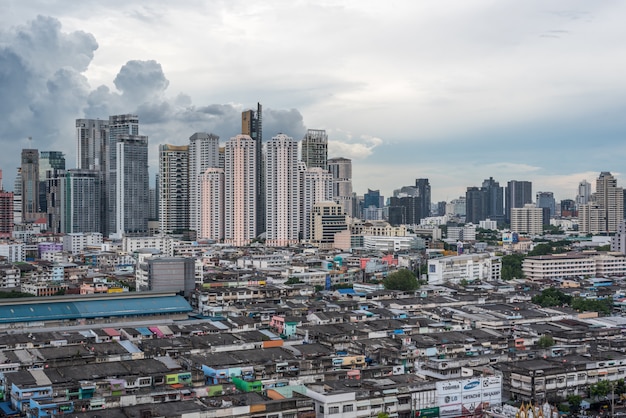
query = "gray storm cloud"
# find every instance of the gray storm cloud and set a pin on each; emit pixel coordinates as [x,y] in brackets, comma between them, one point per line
[44,90]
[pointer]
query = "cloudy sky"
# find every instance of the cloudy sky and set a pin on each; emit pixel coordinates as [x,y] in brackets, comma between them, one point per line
[455,91]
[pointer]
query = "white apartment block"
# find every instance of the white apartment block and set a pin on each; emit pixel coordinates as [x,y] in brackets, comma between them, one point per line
[467,267]
[211,185]
[203,153]
[282,191]
[462,233]
[9,276]
[391,243]
[164,244]
[173,188]
[76,242]
[316,185]
[559,266]
[240,190]
[13,252]
[527,220]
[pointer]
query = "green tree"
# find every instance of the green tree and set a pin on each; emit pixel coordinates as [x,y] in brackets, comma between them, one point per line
[604,306]
[512,267]
[293,280]
[545,341]
[574,401]
[552,297]
[600,389]
[402,279]
[541,249]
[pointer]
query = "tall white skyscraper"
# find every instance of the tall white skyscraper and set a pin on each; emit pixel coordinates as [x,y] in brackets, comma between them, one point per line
[282,191]
[240,194]
[203,153]
[211,187]
[341,169]
[81,193]
[605,210]
[173,188]
[91,143]
[316,185]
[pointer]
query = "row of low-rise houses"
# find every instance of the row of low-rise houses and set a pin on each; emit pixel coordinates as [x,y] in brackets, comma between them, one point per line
[258,350]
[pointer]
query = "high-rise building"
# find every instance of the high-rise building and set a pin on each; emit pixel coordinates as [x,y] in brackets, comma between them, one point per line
[17,197]
[6,211]
[51,163]
[372,199]
[80,196]
[341,169]
[92,137]
[527,220]
[127,179]
[315,149]
[423,189]
[476,201]
[55,206]
[404,209]
[30,185]
[173,188]
[204,152]
[211,185]
[240,194]
[518,194]
[568,208]
[252,125]
[545,200]
[92,153]
[610,200]
[316,185]
[282,191]
[584,193]
[494,209]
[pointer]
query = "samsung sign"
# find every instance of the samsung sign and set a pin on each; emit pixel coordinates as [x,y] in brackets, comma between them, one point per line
[471,385]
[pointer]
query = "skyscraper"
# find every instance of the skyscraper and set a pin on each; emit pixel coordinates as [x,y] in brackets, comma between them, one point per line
[282,191]
[584,193]
[30,185]
[341,169]
[316,185]
[173,188]
[315,149]
[545,201]
[610,200]
[240,194]
[211,185]
[80,196]
[6,211]
[91,148]
[423,189]
[252,125]
[204,152]
[476,201]
[127,180]
[494,209]
[92,153]
[51,167]
[518,194]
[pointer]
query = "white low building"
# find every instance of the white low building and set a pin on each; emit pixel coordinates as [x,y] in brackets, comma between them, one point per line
[469,267]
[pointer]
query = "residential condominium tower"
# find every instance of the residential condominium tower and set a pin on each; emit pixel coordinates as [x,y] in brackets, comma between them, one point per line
[173,188]
[316,185]
[127,178]
[30,185]
[240,194]
[204,152]
[211,185]
[605,211]
[518,194]
[341,169]
[252,125]
[282,191]
[81,194]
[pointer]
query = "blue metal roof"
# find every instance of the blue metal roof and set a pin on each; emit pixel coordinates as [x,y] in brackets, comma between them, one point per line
[84,309]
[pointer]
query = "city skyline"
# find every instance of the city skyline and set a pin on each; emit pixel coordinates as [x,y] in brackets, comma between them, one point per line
[511,90]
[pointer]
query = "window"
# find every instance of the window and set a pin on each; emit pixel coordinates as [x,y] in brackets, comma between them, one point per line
[348,408]
[333,410]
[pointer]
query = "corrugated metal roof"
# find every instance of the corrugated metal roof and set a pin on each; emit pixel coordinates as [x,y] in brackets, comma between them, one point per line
[60,310]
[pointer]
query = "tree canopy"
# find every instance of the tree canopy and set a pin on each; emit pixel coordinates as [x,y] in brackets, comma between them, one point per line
[402,279]
[552,297]
[512,267]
